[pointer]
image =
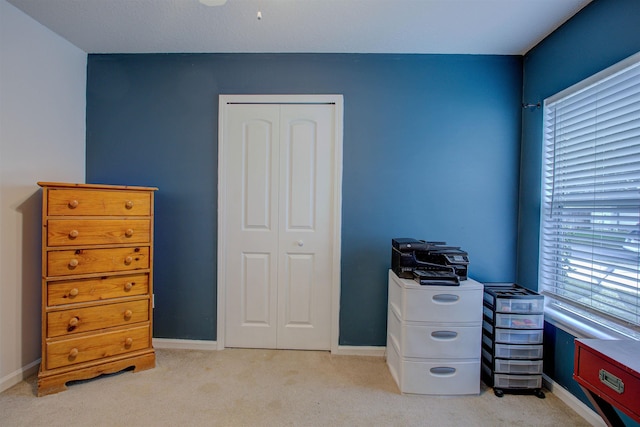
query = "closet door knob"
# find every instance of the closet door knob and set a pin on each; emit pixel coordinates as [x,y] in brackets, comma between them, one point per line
[300,243]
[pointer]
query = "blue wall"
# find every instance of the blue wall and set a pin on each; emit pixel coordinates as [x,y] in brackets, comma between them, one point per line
[601,34]
[431,150]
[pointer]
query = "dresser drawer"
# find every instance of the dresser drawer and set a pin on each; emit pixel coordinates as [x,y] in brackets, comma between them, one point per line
[460,304]
[75,320]
[507,351]
[85,349]
[98,289]
[85,261]
[433,376]
[519,321]
[435,341]
[75,232]
[513,336]
[71,201]
[512,366]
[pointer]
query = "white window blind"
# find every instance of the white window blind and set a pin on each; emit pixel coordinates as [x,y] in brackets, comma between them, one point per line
[590,224]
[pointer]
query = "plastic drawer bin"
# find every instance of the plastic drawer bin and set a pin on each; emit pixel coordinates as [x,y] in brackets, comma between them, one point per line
[519,321]
[517,381]
[527,305]
[507,351]
[488,311]
[513,299]
[507,366]
[516,336]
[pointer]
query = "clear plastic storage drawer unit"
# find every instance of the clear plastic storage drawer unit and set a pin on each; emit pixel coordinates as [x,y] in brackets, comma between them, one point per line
[512,335]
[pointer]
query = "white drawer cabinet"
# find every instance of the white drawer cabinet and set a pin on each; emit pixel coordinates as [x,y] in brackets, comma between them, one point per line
[434,336]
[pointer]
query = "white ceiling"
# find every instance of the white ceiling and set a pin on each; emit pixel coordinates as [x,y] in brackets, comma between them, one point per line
[502,27]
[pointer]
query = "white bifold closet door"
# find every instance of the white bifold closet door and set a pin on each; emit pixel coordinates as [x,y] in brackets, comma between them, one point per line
[279,171]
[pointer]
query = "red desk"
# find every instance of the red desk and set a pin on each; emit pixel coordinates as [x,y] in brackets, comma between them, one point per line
[609,373]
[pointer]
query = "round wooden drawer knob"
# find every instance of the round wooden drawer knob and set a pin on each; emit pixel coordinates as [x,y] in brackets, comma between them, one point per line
[128,342]
[73,292]
[74,321]
[73,234]
[128,314]
[129,232]
[73,204]
[73,263]
[128,204]
[128,260]
[128,286]
[73,353]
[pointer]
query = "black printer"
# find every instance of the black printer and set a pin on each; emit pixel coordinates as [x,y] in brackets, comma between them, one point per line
[428,263]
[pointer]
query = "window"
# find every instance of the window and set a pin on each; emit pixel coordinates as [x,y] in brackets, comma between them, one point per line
[590,219]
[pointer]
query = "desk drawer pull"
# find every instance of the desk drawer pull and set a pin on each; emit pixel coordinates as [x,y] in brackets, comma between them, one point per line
[612,381]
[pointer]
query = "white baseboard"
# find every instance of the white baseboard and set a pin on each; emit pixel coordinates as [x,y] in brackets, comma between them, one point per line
[343,350]
[573,402]
[185,344]
[21,374]
[354,350]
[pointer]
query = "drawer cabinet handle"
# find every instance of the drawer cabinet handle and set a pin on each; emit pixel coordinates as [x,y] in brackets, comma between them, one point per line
[611,381]
[128,342]
[73,353]
[128,314]
[446,298]
[73,263]
[442,371]
[73,204]
[73,323]
[73,234]
[73,292]
[128,260]
[128,204]
[129,232]
[128,286]
[444,335]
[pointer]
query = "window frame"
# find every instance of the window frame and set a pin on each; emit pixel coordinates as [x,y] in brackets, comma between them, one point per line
[574,319]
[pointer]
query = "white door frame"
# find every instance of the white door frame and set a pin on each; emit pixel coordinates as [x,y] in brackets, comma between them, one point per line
[225,100]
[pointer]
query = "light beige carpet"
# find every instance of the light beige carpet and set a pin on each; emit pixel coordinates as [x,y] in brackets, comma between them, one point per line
[236,387]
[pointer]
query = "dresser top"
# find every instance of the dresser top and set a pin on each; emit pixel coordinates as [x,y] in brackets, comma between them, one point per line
[96,186]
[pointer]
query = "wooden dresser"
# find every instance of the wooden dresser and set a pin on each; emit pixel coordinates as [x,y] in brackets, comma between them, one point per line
[97,275]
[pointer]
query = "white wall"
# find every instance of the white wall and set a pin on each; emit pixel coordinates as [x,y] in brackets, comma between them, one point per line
[42,138]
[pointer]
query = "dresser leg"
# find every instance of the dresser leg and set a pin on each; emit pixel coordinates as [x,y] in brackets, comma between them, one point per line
[50,383]
[50,386]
